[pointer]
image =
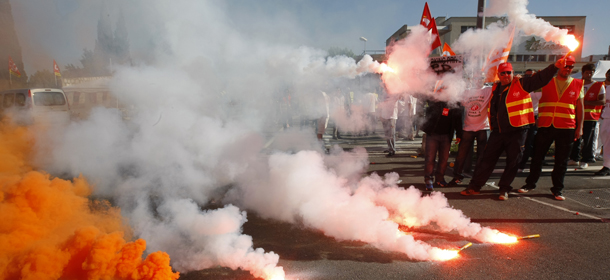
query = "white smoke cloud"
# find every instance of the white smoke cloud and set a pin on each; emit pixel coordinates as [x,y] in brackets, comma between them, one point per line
[517,13]
[302,188]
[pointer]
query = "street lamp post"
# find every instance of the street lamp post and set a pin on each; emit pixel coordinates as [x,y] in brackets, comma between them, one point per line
[363,40]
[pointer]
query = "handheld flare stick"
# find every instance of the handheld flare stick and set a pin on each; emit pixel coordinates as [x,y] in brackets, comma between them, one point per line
[529,236]
[571,42]
[465,246]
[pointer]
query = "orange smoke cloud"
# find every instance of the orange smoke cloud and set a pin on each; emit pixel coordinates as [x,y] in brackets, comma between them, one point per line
[51,230]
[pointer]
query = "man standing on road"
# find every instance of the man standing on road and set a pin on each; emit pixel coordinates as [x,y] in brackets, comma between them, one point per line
[476,126]
[594,102]
[604,131]
[510,114]
[560,119]
[443,121]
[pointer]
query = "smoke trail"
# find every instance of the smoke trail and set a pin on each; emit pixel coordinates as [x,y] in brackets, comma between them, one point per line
[51,230]
[517,13]
[302,188]
[412,74]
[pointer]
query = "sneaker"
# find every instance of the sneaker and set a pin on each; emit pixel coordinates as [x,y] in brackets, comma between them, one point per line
[503,196]
[583,165]
[454,183]
[469,192]
[525,189]
[441,184]
[559,196]
[605,171]
[429,187]
[573,163]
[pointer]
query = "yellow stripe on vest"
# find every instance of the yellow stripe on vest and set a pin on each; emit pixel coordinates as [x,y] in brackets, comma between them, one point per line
[521,112]
[557,104]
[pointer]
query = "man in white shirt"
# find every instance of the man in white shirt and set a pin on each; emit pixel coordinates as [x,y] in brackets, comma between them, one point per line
[475,127]
[604,131]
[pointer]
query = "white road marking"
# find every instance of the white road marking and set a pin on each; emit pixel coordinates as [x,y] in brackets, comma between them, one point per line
[493,185]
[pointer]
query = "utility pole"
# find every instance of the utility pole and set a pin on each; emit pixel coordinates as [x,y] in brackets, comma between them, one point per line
[480,16]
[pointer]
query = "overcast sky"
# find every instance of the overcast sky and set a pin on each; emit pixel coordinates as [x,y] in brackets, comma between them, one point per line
[61,29]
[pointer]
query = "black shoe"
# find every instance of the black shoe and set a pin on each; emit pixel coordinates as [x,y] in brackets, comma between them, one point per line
[454,183]
[525,189]
[441,184]
[605,171]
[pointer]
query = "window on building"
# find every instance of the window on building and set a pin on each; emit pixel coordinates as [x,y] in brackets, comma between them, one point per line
[555,57]
[570,28]
[510,58]
[464,28]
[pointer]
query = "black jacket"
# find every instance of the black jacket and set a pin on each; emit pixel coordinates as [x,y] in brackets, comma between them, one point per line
[498,114]
[442,119]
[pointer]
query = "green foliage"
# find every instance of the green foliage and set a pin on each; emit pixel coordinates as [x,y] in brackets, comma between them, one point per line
[44,78]
[334,51]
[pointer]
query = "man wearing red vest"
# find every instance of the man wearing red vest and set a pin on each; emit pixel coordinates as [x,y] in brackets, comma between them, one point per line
[594,102]
[510,115]
[560,119]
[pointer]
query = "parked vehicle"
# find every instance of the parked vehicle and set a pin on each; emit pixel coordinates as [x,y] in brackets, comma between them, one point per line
[27,106]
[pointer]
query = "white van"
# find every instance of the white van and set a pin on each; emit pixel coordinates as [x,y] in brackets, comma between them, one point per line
[41,106]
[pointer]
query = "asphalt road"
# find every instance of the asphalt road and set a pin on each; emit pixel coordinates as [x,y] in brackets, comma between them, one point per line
[574,242]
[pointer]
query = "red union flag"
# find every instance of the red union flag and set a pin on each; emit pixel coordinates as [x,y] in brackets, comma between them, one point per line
[56,69]
[497,56]
[428,22]
[12,68]
[447,51]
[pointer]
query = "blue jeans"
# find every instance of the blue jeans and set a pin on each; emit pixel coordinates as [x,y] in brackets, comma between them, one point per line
[466,144]
[436,144]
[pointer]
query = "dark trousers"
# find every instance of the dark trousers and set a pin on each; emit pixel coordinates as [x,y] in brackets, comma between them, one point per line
[509,142]
[588,133]
[529,145]
[563,144]
[465,148]
[436,144]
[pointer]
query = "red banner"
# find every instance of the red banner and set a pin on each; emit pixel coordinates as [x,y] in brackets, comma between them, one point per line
[12,68]
[56,69]
[428,22]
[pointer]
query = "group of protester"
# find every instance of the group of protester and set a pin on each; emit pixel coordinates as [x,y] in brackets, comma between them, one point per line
[521,116]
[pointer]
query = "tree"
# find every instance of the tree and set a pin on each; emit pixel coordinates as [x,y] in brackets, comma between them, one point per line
[334,51]
[44,78]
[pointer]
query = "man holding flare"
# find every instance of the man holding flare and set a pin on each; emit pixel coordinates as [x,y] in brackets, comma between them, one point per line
[510,114]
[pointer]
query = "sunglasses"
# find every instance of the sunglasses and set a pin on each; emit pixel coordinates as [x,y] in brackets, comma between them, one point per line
[506,73]
[569,67]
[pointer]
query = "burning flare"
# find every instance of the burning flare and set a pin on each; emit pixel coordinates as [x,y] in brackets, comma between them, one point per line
[384,68]
[570,42]
[504,238]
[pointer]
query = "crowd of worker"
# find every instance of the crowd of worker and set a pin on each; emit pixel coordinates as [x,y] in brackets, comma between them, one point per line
[520,116]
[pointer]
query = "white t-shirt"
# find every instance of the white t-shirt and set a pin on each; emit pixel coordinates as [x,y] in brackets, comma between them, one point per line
[475,109]
[606,110]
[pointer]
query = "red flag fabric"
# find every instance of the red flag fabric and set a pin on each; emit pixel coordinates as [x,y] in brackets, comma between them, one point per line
[12,68]
[428,22]
[56,69]
[497,56]
[447,51]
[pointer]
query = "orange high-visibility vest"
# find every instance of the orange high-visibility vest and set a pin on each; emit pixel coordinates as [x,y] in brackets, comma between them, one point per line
[592,113]
[518,104]
[559,111]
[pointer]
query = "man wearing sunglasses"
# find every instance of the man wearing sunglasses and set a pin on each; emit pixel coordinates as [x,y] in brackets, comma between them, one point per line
[510,115]
[560,120]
